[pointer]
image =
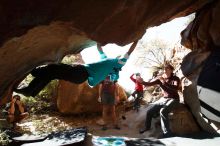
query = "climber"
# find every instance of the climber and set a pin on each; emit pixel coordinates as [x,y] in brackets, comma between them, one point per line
[77,73]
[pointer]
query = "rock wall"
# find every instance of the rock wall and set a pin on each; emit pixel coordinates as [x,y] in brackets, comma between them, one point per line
[118,21]
[204,32]
[40,45]
[202,36]
[33,33]
[191,66]
[77,99]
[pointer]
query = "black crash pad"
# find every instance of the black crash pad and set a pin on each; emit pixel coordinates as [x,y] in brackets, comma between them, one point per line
[144,142]
[29,138]
[74,136]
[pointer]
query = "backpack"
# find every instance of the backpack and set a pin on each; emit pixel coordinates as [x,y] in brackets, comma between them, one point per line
[208,86]
[108,86]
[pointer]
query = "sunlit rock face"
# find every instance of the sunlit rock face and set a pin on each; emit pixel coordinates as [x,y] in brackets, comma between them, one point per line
[77,99]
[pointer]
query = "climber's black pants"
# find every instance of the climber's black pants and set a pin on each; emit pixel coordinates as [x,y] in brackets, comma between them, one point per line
[43,75]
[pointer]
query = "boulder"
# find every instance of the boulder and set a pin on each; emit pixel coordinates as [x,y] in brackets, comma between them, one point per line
[191,66]
[182,121]
[34,33]
[77,99]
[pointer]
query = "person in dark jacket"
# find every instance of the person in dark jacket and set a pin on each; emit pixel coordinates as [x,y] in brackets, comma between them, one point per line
[170,85]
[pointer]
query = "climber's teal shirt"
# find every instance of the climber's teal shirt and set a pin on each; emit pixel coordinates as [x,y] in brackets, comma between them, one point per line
[114,76]
[98,71]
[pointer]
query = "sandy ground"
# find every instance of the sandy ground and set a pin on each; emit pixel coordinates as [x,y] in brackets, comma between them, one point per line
[48,123]
[130,125]
[129,128]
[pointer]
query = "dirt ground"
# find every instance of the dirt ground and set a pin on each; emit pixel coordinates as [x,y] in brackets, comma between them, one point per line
[128,120]
[46,123]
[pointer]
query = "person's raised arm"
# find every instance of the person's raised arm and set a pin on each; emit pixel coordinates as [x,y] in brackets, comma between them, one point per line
[156,82]
[133,46]
[11,110]
[132,78]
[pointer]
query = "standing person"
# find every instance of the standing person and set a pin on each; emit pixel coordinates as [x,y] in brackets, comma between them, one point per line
[108,91]
[94,73]
[169,84]
[15,110]
[138,92]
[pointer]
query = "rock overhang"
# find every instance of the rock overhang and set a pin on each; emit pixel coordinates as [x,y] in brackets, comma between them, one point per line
[39,32]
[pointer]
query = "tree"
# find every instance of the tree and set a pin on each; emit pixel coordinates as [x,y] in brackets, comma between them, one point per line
[157,53]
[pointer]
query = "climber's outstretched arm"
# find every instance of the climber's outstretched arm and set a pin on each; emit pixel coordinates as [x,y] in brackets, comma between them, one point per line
[133,46]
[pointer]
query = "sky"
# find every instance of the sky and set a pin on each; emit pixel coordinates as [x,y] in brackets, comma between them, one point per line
[170,32]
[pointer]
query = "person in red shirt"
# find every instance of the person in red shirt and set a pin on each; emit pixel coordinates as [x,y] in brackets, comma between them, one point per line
[138,92]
